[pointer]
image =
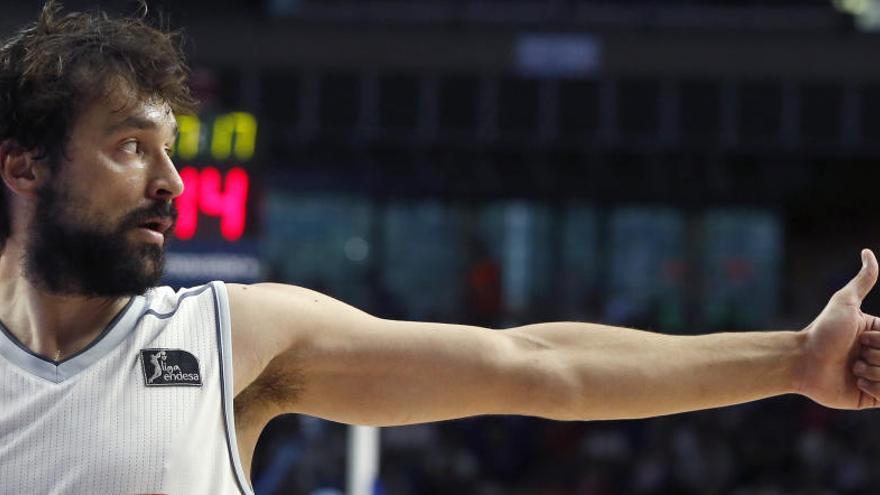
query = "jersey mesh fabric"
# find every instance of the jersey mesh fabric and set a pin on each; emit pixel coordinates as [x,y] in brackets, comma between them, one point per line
[102,430]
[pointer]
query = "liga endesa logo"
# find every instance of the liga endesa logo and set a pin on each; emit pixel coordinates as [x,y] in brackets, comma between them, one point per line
[168,367]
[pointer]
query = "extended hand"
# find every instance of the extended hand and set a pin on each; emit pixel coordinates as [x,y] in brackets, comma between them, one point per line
[833,346]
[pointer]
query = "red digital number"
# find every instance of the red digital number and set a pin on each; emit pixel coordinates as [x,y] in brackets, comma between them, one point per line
[188,204]
[206,192]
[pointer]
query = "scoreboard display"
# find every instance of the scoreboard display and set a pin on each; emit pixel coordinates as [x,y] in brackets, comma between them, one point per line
[216,232]
[211,193]
[214,155]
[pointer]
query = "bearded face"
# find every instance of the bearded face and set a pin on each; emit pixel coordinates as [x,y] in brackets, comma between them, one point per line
[73,252]
[103,207]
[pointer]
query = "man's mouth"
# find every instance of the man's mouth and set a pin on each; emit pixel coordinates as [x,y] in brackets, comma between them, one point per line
[157,224]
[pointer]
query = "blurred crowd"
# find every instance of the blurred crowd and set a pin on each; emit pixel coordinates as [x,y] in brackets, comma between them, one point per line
[773,447]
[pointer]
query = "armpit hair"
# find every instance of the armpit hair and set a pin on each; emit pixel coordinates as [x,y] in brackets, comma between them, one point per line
[276,389]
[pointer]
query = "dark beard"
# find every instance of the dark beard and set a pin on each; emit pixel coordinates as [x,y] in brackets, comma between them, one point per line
[69,256]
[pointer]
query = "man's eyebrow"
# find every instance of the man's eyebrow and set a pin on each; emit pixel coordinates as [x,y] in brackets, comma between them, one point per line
[139,123]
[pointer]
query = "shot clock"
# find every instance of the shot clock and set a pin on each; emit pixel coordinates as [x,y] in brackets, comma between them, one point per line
[215,235]
[213,155]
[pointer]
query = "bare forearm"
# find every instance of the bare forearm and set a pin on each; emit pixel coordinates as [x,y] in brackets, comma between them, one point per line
[611,373]
[331,360]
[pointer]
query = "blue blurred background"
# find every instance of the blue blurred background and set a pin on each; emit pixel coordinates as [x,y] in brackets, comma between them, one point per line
[676,165]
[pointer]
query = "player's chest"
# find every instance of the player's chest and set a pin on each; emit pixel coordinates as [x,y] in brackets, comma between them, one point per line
[153,399]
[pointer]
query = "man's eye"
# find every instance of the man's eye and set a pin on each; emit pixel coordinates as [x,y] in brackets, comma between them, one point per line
[131,147]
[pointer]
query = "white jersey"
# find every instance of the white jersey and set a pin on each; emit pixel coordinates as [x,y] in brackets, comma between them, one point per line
[145,408]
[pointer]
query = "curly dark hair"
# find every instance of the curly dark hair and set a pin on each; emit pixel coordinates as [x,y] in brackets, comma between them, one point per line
[52,68]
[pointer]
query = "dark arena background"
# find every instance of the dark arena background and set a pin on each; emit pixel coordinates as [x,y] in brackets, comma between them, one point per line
[677,165]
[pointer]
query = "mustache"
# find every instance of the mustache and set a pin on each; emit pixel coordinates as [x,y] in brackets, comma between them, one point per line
[157,210]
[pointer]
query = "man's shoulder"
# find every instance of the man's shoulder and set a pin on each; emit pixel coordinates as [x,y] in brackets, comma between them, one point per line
[264,319]
[167,300]
[267,299]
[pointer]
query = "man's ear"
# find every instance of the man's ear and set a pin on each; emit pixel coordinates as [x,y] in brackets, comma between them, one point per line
[22,173]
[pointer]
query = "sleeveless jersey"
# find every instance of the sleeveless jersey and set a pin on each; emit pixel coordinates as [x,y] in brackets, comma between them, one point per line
[145,408]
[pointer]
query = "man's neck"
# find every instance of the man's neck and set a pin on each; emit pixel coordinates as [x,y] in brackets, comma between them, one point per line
[52,326]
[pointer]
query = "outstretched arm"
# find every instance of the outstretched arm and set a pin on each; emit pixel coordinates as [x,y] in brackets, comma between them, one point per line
[305,352]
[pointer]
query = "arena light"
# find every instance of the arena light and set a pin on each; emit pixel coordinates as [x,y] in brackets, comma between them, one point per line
[865,12]
[855,7]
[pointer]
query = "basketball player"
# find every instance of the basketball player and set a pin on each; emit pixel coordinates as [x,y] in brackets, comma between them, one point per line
[109,384]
